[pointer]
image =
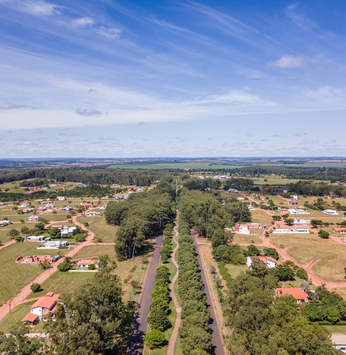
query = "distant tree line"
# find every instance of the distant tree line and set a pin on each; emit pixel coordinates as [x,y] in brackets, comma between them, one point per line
[316,189]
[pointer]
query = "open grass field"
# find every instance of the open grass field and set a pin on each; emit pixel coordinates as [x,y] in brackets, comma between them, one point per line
[186,166]
[99,226]
[261,217]
[246,239]
[63,282]
[4,232]
[309,247]
[274,181]
[234,270]
[17,314]
[13,277]
[95,251]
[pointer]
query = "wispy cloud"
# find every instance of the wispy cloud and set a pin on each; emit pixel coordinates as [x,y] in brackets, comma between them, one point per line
[33,7]
[68,134]
[288,61]
[300,134]
[299,18]
[83,22]
[111,33]
[88,112]
[14,107]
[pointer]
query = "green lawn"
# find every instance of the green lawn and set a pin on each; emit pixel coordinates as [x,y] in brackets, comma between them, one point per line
[4,232]
[235,271]
[14,277]
[62,282]
[17,314]
[99,226]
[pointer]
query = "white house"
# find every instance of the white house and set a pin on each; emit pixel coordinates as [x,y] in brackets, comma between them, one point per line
[269,261]
[294,197]
[239,229]
[34,218]
[56,244]
[301,221]
[60,198]
[67,208]
[296,229]
[67,230]
[42,307]
[240,198]
[140,190]
[339,341]
[103,207]
[297,211]
[330,212]
[250,208]
[232,191]
[5,222]
[23,205]
[35,238]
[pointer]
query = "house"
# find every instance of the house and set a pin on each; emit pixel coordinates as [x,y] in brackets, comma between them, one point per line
[291,203]
[35,238]
[240,198]
[5,222]
[93,214]
[103,207]
[53,185]
[269,261]
[41,209]
[60,198]
[28,210]
[301,221]
[42,307]
[250,208]
[339,341]
[232,191]
[281,191]
[294,197]
[34,218]
[297,293]
[79,184]
[23,205]
[140,190]
[86,204]
[67,208]
[84,264]
[339,230]
[239,229]
[330,212]
[67,230]
[297,211]
[56,244]
[296,229]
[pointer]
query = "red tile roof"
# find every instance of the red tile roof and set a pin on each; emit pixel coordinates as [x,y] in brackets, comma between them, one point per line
[30,317]
[297,293]
[340,229]
[47,301]
[87,262]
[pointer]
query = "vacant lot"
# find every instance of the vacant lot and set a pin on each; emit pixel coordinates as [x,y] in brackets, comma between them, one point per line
[246,239]
[261,217]
[17,314]
[14,277]
[234,270]
[99,226]
[62,282]
[309,247]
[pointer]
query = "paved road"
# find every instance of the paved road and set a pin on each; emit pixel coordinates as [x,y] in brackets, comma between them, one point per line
[136,344]
[216,340]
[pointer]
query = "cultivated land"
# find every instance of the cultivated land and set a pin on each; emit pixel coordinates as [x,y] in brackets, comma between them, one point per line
[186,166]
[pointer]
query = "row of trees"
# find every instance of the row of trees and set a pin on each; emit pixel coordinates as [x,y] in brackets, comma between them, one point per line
[316,189]
[194,331]
[159,309]
[263,325]
[140,216]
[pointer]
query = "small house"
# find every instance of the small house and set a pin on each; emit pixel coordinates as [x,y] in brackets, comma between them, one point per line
[35,238]
[34,218]
[84,264]
[297,293]
[339,230]
[330,212]
[269,261]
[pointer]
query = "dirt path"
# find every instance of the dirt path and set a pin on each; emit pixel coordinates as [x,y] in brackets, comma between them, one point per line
[174,336]
[136,345]
[25,292]
[216,341]
[7,244]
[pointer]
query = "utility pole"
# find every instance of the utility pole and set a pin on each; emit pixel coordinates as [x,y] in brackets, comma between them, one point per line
[9,305]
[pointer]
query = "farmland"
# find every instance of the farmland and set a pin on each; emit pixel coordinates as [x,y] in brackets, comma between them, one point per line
[184,166]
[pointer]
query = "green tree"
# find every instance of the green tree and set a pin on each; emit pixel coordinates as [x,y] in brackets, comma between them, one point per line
[157,319]
[45,265]
[24,230]
[301,273]
[35,287]
[323,234]
[64,266]
[80,238]
[55,233]
[154,339]
[13,233]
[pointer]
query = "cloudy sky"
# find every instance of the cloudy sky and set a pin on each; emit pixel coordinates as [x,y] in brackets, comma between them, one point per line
[108,78]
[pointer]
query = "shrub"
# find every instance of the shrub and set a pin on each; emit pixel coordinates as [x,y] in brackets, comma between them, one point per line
[91,267]
[224,273]
[35,287]
[154,339]
[301,273]
[64,266]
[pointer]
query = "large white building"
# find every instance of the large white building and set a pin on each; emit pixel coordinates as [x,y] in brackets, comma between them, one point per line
[330,212]
[297,211]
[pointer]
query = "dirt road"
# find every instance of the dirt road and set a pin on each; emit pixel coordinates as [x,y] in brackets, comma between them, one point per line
[217,348]
[136,344]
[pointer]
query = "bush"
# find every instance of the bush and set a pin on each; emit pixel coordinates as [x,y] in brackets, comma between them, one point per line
[64,266]
[301,273]
[154,339]
[35,287]
[91,267]
[224,273]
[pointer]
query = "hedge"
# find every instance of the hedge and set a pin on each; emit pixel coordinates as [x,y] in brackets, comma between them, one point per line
[224,273]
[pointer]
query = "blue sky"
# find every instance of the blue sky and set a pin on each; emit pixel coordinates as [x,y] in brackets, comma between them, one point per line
[106,78]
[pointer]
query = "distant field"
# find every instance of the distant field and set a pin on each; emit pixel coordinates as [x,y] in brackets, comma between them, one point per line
[280,182]
[185,166]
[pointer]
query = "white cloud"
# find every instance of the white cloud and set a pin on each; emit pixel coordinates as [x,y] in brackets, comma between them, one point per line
[83,22]
[88,113]
[288,61]
[110,32]
[32,7]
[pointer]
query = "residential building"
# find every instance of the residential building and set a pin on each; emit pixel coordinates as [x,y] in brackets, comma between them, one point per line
[103,207]
[92,214]
[23,205]
[5,222]
[297,293]
[42,307]
[297,211]
[35,238]
[232,191]
[294,197]
[339,230]
[67,208]
[330,212]
[67,230]
[140,190]
[239,229]
[269,261]
[339,340]
[60,198]
[301,221]
[34,218]
[295,229]
[84,264]
[240,198]
[56,244]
